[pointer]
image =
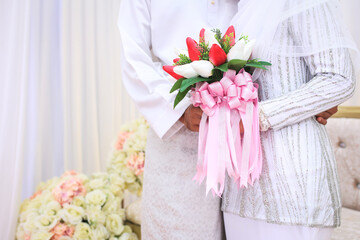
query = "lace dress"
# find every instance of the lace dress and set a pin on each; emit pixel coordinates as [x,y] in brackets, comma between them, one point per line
[174,206]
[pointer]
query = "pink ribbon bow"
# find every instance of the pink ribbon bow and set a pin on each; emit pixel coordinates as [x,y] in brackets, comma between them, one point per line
[221,147]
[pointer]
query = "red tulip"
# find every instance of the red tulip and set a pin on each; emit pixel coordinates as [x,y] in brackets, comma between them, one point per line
[170,70]
[231,34]
[176,60]
[194,52]
[217,55]
[202,35]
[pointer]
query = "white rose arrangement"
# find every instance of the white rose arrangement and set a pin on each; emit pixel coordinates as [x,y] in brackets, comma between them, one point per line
[75,206]
[128,156]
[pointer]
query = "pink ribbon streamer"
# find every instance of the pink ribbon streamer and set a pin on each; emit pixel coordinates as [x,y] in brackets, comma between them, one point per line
[221,147]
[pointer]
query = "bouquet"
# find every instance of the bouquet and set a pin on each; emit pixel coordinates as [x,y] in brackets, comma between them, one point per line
[215,71]
[76,207]
[128,157]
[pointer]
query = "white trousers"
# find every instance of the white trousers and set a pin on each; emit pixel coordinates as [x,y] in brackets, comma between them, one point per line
[238,228]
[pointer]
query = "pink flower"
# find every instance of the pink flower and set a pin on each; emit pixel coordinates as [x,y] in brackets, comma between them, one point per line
[59,229]
[69,173]
[62,229]
[27,236]
[35,195]
[123,136]
[68,189]
[70,231]
[136,163]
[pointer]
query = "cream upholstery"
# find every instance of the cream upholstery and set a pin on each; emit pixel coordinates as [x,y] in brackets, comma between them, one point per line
[344,131]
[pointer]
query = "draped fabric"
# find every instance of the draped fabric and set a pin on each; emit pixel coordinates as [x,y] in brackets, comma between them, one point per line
[61,98]
[263,20]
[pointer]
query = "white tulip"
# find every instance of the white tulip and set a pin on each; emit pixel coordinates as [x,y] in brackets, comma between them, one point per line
[248,49]
[241,50]
[186,71]
[209,38]
[203,68]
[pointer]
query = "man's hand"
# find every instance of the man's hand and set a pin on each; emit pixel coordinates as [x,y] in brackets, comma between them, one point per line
[324,116]
[191,118]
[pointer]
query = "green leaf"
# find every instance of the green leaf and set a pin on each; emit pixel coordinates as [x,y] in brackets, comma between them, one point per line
[190,81]
[253,63]
[254,60]
[177,85]
[224,67]
[265,63]
[255,66]
[180,96]
[236,64]
[184,59]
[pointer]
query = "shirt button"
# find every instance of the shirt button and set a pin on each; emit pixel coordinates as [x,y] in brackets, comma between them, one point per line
[213,2]
[342,144]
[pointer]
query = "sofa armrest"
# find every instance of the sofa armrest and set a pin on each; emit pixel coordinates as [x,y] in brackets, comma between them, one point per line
[344,132]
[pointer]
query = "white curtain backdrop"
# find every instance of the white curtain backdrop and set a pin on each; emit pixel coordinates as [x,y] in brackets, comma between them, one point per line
[61,97]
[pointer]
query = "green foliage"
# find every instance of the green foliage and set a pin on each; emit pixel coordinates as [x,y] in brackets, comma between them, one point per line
[183,60]
[217,34]
[226,42]
[246,38]
[177,85]
[257,64]
[180,96]
[224,67]
[236,64]
[190,82]
[204,50]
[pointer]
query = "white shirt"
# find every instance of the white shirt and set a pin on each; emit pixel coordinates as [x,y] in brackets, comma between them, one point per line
[150,32]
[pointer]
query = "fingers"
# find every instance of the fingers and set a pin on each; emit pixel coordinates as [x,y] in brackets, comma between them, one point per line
[197,112]
[193,127]
[333,110]
[321,120]
[324,115]
[192,118]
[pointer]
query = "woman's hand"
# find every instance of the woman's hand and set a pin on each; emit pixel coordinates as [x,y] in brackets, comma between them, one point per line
[191,118]
[324,116]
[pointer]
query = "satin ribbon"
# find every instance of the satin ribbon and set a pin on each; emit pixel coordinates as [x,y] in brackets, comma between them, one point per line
[221,147]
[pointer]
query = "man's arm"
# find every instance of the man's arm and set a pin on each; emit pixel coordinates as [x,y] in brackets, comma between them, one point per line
[143,79]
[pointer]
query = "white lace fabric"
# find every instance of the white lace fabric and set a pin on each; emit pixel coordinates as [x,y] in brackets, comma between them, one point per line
[174,206]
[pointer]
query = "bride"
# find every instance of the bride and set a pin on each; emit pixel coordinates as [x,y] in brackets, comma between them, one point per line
[297,196]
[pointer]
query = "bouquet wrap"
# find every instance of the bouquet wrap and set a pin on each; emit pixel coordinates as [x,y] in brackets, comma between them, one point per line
[221,146]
